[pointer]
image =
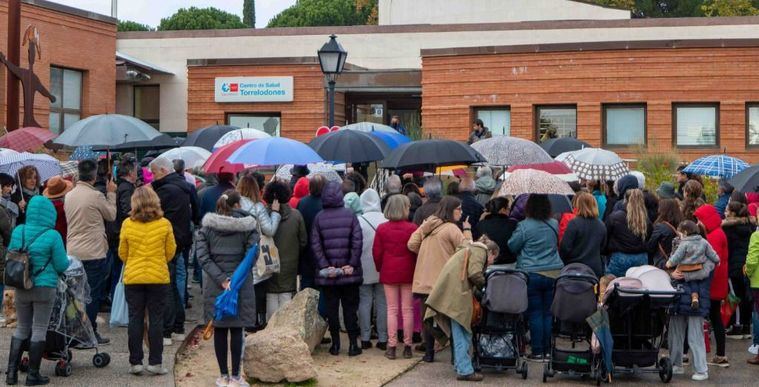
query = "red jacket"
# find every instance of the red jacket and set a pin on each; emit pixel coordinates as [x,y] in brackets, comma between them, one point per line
[300,190]
[393,260]
[60,221]
[709,217]
[564,222]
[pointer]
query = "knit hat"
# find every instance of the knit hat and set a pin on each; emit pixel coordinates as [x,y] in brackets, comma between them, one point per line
[666,190]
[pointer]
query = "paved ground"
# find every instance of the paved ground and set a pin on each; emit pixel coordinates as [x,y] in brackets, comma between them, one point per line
[441,374]
[115,375]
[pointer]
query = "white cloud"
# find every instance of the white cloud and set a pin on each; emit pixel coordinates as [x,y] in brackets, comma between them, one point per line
[150,12]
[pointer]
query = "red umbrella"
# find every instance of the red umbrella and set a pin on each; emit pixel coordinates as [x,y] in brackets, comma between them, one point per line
[26,139]
[218,163]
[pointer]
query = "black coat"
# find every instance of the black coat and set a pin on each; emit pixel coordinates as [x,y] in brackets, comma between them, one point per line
[499,229]
[308,207]
[472,209]
[178,199]
[661,240]
[738,232]
[619,238]
[124,193]
[582,242]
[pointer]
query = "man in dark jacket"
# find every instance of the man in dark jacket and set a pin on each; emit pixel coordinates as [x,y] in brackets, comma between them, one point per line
[309,206]
[433,190]
[336,242]
[211,194]
[176,196]
[471,209]
[127,176]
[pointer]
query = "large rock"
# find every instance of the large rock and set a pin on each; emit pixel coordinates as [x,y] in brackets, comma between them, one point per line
[302,315]
[277,354]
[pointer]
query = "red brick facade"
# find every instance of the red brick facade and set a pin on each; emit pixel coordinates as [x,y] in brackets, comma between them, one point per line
[453,85]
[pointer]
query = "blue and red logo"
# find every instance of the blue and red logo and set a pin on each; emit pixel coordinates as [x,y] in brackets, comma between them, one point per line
[230,87]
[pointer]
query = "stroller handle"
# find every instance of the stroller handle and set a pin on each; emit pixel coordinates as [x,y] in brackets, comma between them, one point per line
[493,271]
[675,292]
[585,277]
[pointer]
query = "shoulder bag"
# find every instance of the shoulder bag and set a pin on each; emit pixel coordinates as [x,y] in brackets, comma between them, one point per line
[268,256]
[17,265]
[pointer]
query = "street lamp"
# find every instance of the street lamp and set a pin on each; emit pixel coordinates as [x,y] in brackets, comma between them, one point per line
[332,60]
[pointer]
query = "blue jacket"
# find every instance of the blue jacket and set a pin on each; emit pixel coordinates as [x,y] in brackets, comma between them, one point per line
[40,223]
[601,201]
[721,204]
[535,244]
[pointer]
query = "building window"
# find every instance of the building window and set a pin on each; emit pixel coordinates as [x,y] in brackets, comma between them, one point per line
[268,122]
[624,124]
[147,104]
[696,124]
[66,86]
[497,119]
[556,122]
[752,124]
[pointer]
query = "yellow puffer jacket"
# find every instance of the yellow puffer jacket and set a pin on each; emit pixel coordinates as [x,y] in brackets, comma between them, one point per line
[145,249]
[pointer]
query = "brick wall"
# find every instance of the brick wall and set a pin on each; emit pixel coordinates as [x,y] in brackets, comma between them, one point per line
[299,119]
[67,41]
[453,85]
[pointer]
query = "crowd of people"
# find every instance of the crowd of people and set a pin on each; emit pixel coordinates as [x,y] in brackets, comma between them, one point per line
[401,265]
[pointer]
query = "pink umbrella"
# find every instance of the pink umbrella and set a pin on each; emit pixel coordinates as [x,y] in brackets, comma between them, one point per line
[26,139]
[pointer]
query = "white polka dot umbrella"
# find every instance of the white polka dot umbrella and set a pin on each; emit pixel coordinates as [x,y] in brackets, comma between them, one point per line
[596,164]
[532,181]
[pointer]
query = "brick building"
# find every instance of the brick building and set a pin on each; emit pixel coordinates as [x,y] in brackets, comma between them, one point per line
[76,65]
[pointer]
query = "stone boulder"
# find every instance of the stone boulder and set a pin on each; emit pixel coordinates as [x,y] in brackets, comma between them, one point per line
[277,354]
[302,315]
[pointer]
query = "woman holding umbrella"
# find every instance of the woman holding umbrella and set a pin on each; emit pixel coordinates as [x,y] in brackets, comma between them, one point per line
[28,186]
[222,243]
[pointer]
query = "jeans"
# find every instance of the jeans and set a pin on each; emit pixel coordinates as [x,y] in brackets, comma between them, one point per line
[539,299]
[181,276]
[173,320]
[694,325]
[274,301]
[347,296]
[372,295]
[139,297]
[462,342]
[399,298]
[33,308]
[620,262]
[97,274]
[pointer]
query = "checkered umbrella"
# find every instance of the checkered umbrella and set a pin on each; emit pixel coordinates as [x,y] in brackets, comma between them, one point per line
[26,139]
[721,166]
[70,169]
[507,151]
[596,164]
[531,181]
[47,166]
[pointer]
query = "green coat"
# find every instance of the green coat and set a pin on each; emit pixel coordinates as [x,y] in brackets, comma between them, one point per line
[451,297]
[752,261]
[40,220]
[291,239]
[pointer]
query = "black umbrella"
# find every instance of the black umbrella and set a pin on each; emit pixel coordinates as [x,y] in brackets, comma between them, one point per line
[426,153]
[747,180]
[350,146]
[206,137]
[161,142]
[557,146]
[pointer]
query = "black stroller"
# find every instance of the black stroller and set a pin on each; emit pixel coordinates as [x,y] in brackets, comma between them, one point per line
[69,327]
[575,299]
[499,339]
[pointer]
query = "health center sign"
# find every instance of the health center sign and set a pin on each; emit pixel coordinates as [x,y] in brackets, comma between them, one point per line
[253,89]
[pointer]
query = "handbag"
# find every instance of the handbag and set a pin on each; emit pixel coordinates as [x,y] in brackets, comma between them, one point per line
[119,307]
[268,256]
[728,306]
[17,265]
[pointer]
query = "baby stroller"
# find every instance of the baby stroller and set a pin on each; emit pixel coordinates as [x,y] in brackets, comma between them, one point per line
[637,306]
[69,326]
[499,340]
[574,300]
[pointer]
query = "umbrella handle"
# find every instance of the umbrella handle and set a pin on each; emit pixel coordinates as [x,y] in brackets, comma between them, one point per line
[208,331]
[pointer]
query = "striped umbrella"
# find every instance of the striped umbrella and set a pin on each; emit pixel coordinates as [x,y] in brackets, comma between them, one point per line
[597,164]
[721,166]
[47,166]
[531,181]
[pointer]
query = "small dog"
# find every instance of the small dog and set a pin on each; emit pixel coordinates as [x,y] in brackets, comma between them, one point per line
[9,307]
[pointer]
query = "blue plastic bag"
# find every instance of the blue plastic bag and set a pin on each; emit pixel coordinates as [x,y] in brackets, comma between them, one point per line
[119,307]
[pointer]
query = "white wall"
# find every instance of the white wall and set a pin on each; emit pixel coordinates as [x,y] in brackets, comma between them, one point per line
[374,51]
[489,11]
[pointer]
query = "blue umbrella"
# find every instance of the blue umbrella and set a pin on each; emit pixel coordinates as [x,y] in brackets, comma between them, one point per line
[226,303]
[85,152]
[721,166]
[393,140]
[274,151]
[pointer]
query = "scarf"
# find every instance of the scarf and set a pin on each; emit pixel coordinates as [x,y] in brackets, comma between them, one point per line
[30,193]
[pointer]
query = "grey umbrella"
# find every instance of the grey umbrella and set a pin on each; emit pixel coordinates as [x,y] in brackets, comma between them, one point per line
[507,151]
[106,130]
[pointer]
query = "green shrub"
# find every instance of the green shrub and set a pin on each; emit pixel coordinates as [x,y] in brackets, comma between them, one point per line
[658,167]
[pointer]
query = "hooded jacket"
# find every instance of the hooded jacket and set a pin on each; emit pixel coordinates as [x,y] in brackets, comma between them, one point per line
[336,239]
[291,239]
[222,244]
[434,242]
[709,217]
[353,202]
[299,191]
[176,196]
[371,218]
[738,232]
[752,261]
[485,188]
[619,237]
[624,184]
[48,246]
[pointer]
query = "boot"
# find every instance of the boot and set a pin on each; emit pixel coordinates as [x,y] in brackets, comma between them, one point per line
[14,359]
[334,350]
[754,360]
[353,348]
[33,378]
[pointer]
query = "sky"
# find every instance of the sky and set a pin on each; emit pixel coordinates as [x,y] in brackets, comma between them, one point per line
[150,12]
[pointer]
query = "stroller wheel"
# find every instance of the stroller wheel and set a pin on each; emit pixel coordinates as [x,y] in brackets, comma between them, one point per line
[24,366]
[63,368]
[101,360]
[665,369]
[523,370]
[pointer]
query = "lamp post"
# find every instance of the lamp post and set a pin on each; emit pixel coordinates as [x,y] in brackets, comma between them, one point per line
[332,60]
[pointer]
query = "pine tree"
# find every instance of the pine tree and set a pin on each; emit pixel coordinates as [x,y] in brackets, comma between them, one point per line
[249,13]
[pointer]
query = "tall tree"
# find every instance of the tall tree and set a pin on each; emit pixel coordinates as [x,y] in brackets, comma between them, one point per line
[730,8]
[200,19]
[249,13]
[128,25]
[307,13]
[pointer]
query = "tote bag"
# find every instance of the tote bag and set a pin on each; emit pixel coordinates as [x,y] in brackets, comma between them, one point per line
[119,307]
[268,256]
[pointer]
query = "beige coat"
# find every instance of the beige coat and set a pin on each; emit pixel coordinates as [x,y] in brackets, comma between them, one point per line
[451,298]
[87,210]
[434,242]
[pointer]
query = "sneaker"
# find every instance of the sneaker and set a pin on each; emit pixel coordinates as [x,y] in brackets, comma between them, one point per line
[719,361]
[754,349]
[167,341]
[677,370]
[178,337]
[102,340]
[473,377]
[237,381]
[686,361]
[698,376]
[136,369]
[222,381]
[157,369]
[737,332]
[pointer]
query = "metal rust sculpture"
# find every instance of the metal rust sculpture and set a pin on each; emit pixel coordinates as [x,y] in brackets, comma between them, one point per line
[29,80]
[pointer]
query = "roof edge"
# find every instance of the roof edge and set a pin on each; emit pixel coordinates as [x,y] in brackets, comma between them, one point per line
[71,11]
[266,61]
